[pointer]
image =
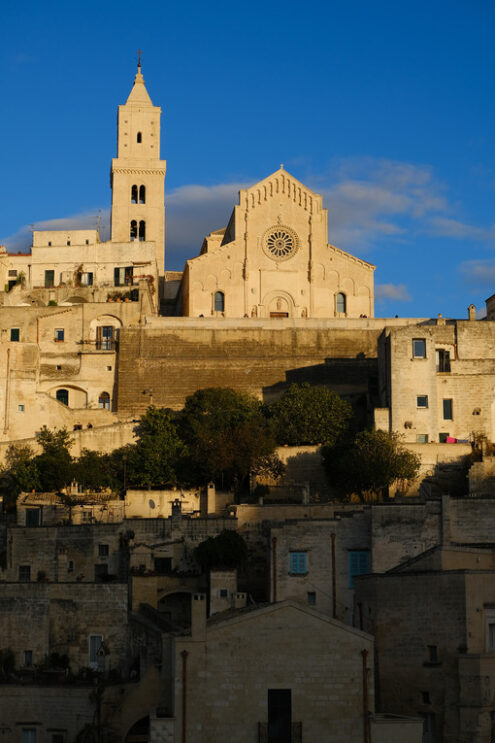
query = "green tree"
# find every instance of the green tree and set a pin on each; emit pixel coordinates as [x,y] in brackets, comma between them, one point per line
[54,464]
[227,550]
[93,471]
[371,464]
[308,414]
[226,434]
[159,449]
[21,465]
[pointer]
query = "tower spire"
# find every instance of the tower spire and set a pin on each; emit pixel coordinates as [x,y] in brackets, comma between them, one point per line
[139,94]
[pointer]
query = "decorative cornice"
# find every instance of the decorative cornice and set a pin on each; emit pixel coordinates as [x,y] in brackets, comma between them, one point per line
[142,171]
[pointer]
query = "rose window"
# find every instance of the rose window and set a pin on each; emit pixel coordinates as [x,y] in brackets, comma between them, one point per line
[280,243]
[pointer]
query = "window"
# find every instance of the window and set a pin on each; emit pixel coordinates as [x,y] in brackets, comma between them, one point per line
[20,408]
[87,242]
[442,438]
[419,348]
[340,303]
[101,572]
[33,517]
[109,368]
[139,138]
[104,401]
[123,276]
[49,279]
[142,230]
[142,194]
[432,653]
[105,338]
[279,715]
[223,593]
[422,401]
[311,598]
[49,244]
[70,566]
[103,550]
[359,564]
[62,396]
[425,697]
[86,278]
[28,735]
[59,335]
[163,565]
[95,643]
[219,302]
[132,234]
[422,438]
[429,728]
[298,564]
[443,360]
[15,334]
[28,658]
[448,410]
[12,272]
[24,572]
[490,635]
[134,194]
[68,242]
[58,738]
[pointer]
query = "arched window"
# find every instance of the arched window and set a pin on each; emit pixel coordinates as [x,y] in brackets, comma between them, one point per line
[62,396]
[340,303]
[104,401]
[142,230]
[134,194]
[134,228]
[219,302]
[139,138]
[142,194]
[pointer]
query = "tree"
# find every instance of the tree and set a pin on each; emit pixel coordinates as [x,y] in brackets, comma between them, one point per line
[156,455]
[93,471]
[54,464]
[371,464]
[227,550]
[21,471]
[308,414]
[226,434]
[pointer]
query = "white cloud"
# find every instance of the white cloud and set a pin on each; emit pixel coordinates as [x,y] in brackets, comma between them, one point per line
[21,240]
[447,227]
[397,292]
[478,272]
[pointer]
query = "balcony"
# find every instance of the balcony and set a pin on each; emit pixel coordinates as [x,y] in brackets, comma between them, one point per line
[264,736]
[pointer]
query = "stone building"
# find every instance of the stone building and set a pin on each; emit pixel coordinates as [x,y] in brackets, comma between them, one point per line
[434,624]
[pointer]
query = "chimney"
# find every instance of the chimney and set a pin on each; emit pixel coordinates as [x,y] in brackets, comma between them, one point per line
[198,617]
[472,312]
[176,511]
[240,600]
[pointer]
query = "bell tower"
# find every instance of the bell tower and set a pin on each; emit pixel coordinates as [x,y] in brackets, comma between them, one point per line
[138,174]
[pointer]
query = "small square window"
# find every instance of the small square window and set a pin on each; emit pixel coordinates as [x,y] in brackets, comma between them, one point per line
[422,438]
[49,243]
[24,572]
[422,401]
[15,334]
[59,335]
[59,367]
[28,658]
[448,413]
[103,550]
[425,696]
[87,242]
[311,598]
[109,368]
[58,738]
[223,593]
[12,273]
[442,438]
[419,348]
[20,408]
[68,242]
[298,563]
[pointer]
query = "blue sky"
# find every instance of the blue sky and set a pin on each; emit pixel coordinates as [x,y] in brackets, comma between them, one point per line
[386,108]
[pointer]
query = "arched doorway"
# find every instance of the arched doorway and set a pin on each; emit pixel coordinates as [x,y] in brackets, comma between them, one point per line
[140,731]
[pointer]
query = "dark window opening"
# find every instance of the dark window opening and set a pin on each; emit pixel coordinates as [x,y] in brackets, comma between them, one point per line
[432,654]
[163,565]
[311,598]
[123,276]
[24,572]
[134,194]
[104,401]
[419,348]
[133,231]
[219,302]
[15,334]
[142,194]
[139,138]
[448,413]
[49,279]
[28,658]
[105,338]
[101,572]
[340,303]
[62,396]
[422,401]
[33,517]
[443,360]
[279,715]
[103,550]
[442,438]
[142,230]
